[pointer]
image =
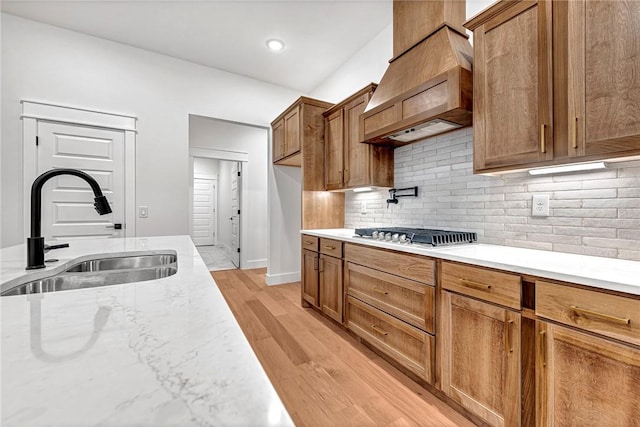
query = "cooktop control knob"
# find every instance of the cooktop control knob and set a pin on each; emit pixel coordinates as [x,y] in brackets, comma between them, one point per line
[374,235]
[387,237]
[395,237]
[403,238]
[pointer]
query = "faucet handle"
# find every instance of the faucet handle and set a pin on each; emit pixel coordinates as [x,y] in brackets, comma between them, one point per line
[50,247]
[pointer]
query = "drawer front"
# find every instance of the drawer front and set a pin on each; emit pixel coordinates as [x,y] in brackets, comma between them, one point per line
[331,247]
[405,299]
[493,286]
[414,267]
[310,242]
[411,347]
[610,315]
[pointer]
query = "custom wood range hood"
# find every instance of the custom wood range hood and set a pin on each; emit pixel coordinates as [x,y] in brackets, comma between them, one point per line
[427,89]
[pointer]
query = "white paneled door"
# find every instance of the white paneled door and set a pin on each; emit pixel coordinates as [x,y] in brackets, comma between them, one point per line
[67,201]
[236,185]
[204,212]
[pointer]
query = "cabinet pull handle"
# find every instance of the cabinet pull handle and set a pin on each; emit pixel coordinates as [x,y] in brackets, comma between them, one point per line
[329,247]
[316,265]
[508,336]
[574,134]
[380,291]
[379,330]
[321,265]
[309,243]
[543,145]
[346,175]
[474,285]
[601,316]
[543,347]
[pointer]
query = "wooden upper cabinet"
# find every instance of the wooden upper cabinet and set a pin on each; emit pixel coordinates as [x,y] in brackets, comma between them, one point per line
[298,138]
[555,82]
[512,98]
[278,140]
[603,48]
[350,163]
[583,380]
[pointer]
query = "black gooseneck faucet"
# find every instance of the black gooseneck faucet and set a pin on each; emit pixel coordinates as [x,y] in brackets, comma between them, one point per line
[35,244]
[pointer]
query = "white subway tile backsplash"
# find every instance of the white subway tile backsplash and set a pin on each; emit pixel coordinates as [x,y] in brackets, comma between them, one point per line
[592,213]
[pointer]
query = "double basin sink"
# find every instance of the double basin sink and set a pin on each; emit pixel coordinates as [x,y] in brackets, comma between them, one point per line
[101,271]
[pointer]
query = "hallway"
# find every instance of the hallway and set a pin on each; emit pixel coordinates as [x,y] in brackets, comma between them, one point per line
[215,258]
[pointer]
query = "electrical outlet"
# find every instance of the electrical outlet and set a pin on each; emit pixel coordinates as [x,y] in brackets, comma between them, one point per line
[540,205]
[143,211]
[363,208]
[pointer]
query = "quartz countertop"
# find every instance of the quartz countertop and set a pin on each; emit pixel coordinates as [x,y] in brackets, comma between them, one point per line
[165,352]
[598,272]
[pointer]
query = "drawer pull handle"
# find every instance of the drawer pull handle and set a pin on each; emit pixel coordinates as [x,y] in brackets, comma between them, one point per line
[308,243]
[474,285]
[508,336]
[543,348]
[329,247]
[380,291]
[601,316]
[379,330]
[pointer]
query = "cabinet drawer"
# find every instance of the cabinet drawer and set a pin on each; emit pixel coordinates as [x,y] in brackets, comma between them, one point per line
[610,315]
[494,286]
[409,346]
[331,247]
[414,267]
[405,299]
[310,242]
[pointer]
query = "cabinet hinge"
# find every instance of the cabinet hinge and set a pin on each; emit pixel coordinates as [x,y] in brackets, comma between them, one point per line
[239,173]
[37,141]
[238,250]
[238,211]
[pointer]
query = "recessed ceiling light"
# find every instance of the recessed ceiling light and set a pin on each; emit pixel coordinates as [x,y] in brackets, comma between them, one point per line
[275,44]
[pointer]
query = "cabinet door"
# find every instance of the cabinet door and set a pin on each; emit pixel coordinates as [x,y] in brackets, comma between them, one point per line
[512,97]
[310,283]
[331,296]
[278,140]
[334,151]
[357,155]
[479,347]
[583,380]
[604,87]
[292,132]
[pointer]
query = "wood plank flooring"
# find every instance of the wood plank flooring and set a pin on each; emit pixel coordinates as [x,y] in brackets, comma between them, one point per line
[322,374]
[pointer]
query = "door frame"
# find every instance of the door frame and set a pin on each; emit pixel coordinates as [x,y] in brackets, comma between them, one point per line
[213,178]
[33,111]
[231,156]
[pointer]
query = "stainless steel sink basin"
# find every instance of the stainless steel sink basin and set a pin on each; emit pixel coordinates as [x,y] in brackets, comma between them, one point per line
[122,263]
[103,271]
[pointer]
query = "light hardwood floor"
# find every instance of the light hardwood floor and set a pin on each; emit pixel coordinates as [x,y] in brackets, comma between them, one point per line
[322,374]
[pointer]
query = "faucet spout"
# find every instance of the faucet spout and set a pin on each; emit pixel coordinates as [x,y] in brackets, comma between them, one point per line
[35,243]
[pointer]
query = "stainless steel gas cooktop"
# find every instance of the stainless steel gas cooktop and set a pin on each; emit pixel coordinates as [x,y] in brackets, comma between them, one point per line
[417,235]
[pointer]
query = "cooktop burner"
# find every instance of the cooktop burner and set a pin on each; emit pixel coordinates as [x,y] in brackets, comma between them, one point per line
[418,235]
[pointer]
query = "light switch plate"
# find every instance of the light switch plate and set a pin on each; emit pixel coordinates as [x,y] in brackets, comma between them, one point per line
[143,211]
[540,205]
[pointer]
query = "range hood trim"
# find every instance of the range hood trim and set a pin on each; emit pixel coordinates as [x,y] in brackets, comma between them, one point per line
[456,28]
[456,108]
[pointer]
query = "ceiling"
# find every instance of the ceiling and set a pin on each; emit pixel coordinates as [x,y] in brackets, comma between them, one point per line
[229,35]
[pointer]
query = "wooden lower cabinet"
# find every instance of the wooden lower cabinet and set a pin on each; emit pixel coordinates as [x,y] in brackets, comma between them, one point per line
[584,380]
[310,278]
[479,348]
[407,345]
[331,295]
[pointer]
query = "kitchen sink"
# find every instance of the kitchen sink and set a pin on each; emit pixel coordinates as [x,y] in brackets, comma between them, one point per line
[103,271]
[122,263]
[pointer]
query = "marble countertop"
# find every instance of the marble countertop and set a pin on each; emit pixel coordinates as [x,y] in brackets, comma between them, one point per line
[603,273]
[166,352]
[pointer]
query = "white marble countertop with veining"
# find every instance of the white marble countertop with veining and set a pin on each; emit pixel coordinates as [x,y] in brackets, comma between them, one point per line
[165,352]
[599,272]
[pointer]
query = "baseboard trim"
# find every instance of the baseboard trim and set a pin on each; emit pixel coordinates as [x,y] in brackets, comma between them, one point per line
[278,279]
[256,263]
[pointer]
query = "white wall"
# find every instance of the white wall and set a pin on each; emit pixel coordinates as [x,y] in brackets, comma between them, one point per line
[203,166]
[208,133]
[41,62]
